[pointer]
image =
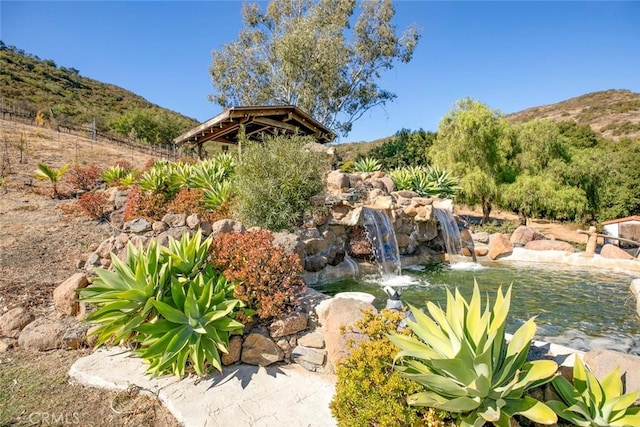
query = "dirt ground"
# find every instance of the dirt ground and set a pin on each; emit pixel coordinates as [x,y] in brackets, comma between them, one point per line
[39,246]
[38,249]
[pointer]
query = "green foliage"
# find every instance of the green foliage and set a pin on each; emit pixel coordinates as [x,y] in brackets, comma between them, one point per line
[267,279]
[427,181]
[274,181]
[312,55]
[170,301]
[113,175]
[405,148]
[506,227]
[45,172]
[368,390]
[366,164]
[460,358]
[474,143]
[150,125]
[589,402]
[348,166]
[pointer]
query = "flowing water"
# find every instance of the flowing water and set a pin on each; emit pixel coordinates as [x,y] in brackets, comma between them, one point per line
[580,308]
[382,236]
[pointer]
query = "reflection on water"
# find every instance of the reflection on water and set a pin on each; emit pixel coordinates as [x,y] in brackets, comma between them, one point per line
[580,308]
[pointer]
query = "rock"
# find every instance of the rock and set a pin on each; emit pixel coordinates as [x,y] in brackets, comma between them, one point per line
[235,349]
[635,290]
[549,245]
[405,194]
[291,324]
[175,220]
[227,226]
[6,344]
[138,225]
[614,252]
[425,231]
[65,297]
[592,242]
[383,202]
[176,232]
[480,237]
[499,245]
[116,218]
[105,248]
[384,183]
[315,246]
[74,337]
[205,228]
[14,321]
[159,226]
[193,221]
[309,358]
[313,339]
[42,334]
[601,362]
[360,296]
[337,180]
[524,235]
[481,250]
[315,263]
[259,350]
[336,314]
[290,242]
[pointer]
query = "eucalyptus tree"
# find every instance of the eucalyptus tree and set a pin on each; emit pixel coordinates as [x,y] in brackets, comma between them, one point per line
[313,55]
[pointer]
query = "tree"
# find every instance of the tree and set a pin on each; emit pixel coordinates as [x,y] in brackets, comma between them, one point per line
[405,148]
[301,52]
[475,143]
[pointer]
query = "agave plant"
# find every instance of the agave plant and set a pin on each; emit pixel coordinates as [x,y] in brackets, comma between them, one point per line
[589,402]
[402,178]
[367,164]
[426,181]
[114,174]
[169,301]
[52,174]
[461,358]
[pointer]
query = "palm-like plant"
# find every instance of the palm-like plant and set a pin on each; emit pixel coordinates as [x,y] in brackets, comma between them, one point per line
[461,359]
[589,402]
[367,164]
[54,175]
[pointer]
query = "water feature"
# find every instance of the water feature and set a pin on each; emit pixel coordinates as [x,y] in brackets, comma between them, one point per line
[580,308]
[452,238]
[383,239]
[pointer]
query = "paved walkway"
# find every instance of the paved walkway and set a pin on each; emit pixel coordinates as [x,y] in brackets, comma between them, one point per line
[242,395]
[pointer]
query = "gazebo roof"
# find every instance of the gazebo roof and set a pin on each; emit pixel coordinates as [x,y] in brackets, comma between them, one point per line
[256,119]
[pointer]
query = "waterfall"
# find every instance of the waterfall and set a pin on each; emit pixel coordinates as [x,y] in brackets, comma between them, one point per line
[383,239]
[450,233]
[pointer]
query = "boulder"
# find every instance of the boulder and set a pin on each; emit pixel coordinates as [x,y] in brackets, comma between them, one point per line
[235,349]
[175,220]
[138,225]
[14,321]
[481,237]
[499,245]
[65,296]
[313,339]
[549,245]
[315,245]
[635,290]
[290,242]
[524,235]
[6,344]
[259,350]
[383,183]
[193,221]
[601,362]
[159,226]
[309,358]
[74,337]
[337,180]
[315,263]
[289,325]
[614,252]
[481,250]
[383,202]
[227,226]
[335,315]
[42,335]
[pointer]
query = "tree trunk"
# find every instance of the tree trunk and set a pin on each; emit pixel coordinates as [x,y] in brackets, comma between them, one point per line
[486,211]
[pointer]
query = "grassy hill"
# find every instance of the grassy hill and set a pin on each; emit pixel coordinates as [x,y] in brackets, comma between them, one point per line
[614,114]
[62,97]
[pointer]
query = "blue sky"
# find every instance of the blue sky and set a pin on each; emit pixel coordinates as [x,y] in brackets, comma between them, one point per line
[509,55]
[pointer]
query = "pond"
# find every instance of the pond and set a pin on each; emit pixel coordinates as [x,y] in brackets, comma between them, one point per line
[583,309]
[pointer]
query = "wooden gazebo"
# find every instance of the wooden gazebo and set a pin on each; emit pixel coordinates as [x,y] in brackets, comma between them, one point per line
[256,120]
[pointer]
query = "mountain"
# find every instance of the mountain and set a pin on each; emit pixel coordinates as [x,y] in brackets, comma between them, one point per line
[614,114]
[62,97]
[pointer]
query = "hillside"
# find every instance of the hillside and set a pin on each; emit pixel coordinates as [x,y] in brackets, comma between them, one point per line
[63,98]
[614,114]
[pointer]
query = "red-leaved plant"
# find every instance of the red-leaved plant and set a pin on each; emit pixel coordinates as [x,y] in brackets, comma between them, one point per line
[95,205]
[83,177]
[267,278]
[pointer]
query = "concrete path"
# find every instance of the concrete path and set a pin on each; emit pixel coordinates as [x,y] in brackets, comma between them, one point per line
[242,395]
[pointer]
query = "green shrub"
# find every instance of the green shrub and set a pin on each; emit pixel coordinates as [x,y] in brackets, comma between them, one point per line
[275,180]
[491,227]
[368,390]
[589,402]
[460,359]
[45,172]
[267,279]
[113,174]
[170,302]
[367,164]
